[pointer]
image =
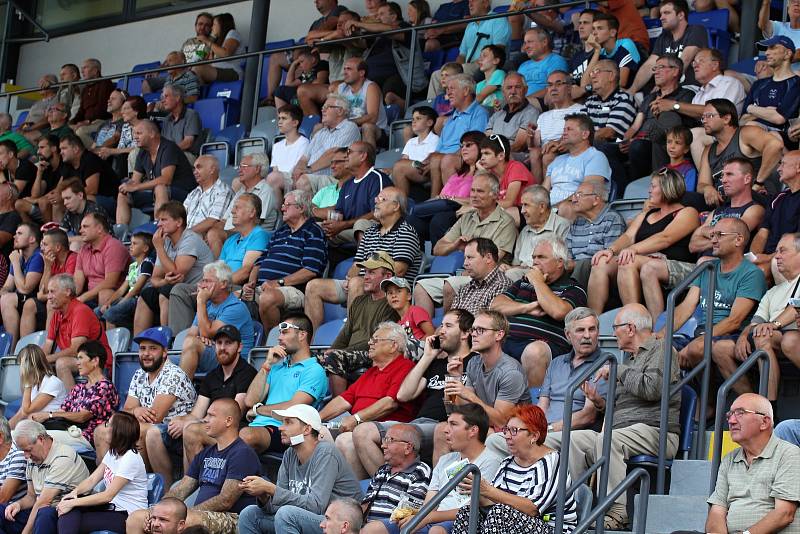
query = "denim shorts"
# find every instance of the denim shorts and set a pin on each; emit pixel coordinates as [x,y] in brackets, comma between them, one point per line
[173,445]
[120,313]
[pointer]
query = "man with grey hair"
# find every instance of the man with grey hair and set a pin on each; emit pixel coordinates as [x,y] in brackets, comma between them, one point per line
[37,114]
[161,173]
[536,306]
[54,469]
[637,406]
[392,233]
[512,120]
[313,169]
[72,324]
[373,396]
[253,170]
[182,77]
[538,46]
[343,516]
[13,481]
[94,101]
[296,254]
[182,125]
[468,115]
[595,228]
[757,482]
[217,306]
[205,204]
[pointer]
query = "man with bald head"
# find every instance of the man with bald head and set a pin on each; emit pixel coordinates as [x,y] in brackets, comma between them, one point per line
[343,516]
[205,205]
[161,173]
[637,407]
[167,517]
[216,474]
[757,487]
[512,120]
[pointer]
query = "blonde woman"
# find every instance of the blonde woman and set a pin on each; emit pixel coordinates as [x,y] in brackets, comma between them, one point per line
[42,390]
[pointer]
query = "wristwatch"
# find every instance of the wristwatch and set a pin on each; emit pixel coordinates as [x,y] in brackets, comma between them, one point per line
[281,282]
[777,324]
[676,106]
[358,419]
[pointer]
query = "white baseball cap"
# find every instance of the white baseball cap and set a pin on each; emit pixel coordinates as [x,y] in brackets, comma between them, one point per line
[303,412]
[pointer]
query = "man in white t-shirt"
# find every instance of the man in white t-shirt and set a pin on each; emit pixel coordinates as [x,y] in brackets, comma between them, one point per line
[465,434]
[288,151]
[417,150]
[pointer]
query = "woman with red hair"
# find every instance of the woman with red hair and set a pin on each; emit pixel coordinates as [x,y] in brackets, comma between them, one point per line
[522,497]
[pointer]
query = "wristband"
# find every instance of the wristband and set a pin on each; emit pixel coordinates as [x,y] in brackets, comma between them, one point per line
[256,406]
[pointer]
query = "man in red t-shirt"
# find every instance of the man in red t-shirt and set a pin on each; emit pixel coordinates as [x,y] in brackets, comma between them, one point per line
[58,259]
[373,397]
[72,324]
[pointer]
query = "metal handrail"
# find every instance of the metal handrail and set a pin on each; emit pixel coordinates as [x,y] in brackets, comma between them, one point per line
[260,54]
[640,514]
[566,420]
[431,505]
[704,365]
[722,397]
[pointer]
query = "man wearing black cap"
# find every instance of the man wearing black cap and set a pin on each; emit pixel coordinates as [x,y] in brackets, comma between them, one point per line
[772,101]
[229,380]
[349,351]
[159,391]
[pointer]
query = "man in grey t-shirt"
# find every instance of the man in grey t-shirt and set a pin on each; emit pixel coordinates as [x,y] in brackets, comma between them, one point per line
[513,119]
[180,257]
[182,125]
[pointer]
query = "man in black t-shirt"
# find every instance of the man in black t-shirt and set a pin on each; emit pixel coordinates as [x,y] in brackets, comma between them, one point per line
[44,202]
[229,380]
[20,172]
[677,37]
[579,63]
[9,220]
[98,178]
[161,173]
[426,381]
[76,207]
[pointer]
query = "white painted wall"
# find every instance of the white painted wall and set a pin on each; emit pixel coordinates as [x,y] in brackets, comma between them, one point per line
[121,47]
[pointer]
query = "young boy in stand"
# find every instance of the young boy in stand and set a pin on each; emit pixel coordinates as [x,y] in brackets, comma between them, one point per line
[287,151]
[123,302]
[489,90]
[679,141]
[416,151]
[416,320]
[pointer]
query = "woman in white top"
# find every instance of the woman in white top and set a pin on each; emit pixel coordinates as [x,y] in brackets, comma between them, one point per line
[42,390]
[224,41]
[125,477]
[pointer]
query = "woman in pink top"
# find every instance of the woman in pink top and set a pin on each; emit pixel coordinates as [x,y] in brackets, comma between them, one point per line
[434,217]
[514,177]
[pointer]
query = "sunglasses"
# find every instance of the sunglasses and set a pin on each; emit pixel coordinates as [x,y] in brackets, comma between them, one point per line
[286,326]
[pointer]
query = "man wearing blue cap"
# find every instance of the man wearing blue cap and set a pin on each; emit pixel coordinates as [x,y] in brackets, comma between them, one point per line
[159,391]
[771,102]
[790,29]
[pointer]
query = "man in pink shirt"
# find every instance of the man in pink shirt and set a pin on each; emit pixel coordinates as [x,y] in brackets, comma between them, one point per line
[102,261]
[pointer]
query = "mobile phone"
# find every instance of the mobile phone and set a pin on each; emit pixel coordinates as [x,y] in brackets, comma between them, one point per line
[794,302]
[436,343]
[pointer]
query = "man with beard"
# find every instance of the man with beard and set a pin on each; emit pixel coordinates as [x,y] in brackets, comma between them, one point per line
[289,376]
[229,380]
[159,391]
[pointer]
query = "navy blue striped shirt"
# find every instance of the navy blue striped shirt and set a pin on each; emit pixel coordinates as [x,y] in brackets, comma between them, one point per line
[288,252]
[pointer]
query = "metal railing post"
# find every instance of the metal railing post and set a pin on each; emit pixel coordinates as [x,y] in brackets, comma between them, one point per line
[413,51]
[573,386]
[722,397]
[254,116]
[640,514]
[431,505]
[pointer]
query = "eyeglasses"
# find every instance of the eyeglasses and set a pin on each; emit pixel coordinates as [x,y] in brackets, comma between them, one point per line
[327,107]
[288,326]
[595,71]
[513,430]
[245,165]
[389,440]
[480,330]
[717,235]
[379,200]
[287,204]
[580,194]
[706,116]
[619,325]
[466,144]
[374,340]
[557,84]
[662,67]
[738,413]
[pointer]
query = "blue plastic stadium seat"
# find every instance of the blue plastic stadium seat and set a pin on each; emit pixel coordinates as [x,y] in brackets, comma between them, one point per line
[433,61]
[231,90]
[392,113]
[263,88]
[307,126]
[447,264]
[258,333]
[327,332]
[218,149]
[686,420]
[21,119]
[230,134]
[716,23]
[212,113]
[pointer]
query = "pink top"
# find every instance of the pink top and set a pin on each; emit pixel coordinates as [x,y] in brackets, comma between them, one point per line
[413,318]
[515,172]
[458,186]
[110,257]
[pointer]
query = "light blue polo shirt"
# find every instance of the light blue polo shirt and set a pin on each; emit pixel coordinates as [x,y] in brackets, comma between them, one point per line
[536,72]
[494,31]
[285,380]
[236,246]
[474,118]
[233,311]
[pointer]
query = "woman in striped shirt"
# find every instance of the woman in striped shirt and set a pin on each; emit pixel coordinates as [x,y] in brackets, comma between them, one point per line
[522,497]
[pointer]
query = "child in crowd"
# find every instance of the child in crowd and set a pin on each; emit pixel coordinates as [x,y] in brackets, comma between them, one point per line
[306,68]
[415,320]
[441,105]
[418,148]
[679,141]
[489,90]
[123,301]
[287,151]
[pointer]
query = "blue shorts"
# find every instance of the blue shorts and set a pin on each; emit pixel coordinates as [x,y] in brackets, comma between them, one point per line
[392,527]
[120,313]
[173,445]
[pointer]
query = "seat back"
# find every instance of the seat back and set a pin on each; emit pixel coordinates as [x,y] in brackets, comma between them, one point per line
[213,113]
[307,126]
[36,338]
[263,89]
[396,138]
[272,337]
[267,131]
[5,343]
[125,365]
[327,332]
[686,418]
[218,149]
[10,384]
[392,113]
[230,134]
[332,312]
[155,488]
[251,145]
[433,61]
[177,344]
[387,158]
[258,355]
[258,333]
[607,322]
[628,208]
[119,339]
[447,264]
[340,271]
[231,90]
[21,119]
[638,188]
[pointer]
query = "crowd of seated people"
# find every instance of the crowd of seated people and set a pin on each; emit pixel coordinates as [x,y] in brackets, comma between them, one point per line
[513,166]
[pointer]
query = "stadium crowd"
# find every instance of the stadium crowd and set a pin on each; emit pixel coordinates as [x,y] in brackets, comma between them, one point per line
[513,165]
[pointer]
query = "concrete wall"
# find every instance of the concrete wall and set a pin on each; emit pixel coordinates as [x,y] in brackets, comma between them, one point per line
[121,47]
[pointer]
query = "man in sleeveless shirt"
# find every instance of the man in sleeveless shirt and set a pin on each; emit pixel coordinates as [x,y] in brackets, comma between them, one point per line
[366,101]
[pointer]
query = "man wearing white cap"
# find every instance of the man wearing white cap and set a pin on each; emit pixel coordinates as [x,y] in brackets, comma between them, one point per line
[312,474]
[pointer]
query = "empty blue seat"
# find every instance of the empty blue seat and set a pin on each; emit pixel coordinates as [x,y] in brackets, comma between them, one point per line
[392,113]
[21,119]
[230,134]
[327,332]
[218,149]
[231,90]
[252,145]
[258,333]
[263,86]
[125,365]
[686,420]
[447,264]
[212,113]
[307,126]
[332,312]
[716,23]
[340,271]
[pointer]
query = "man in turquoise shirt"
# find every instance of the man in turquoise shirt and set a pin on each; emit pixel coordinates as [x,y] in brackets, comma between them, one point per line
[538,45]
[290,375]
